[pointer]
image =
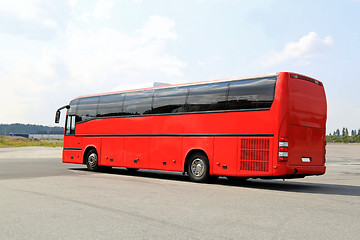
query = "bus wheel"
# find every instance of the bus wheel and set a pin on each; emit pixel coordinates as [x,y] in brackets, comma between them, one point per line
[92,160]
[198,168]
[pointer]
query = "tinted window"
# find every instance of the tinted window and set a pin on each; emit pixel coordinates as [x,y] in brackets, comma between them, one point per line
[138,103]
[110,105]
[253,93]
[170,100]
[86,109]
[207,97]
[73,107]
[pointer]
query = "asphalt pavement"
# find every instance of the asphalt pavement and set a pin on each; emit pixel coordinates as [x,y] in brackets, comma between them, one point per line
[42,198]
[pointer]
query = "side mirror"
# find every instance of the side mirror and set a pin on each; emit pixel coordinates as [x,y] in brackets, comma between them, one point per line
[57,117]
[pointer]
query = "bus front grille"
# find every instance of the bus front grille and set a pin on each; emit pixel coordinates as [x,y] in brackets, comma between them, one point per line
[254,154]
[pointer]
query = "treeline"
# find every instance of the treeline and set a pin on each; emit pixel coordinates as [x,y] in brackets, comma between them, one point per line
[6,129]
[344,136]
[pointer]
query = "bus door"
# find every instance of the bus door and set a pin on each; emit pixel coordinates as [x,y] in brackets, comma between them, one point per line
[72,144]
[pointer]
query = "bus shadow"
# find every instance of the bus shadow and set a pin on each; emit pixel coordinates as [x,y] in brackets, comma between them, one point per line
[301,187]
[141,173]
[274,185]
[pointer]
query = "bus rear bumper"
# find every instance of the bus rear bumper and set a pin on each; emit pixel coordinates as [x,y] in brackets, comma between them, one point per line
[295,171]
[307,170]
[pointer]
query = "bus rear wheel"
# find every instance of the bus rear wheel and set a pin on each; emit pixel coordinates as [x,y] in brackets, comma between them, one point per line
[198,168]
[92,160]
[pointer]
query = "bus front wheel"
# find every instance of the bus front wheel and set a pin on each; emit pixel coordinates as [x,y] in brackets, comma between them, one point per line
[198,168]
[92,160]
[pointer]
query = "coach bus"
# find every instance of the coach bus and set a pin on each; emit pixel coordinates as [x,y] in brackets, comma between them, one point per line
[268,126]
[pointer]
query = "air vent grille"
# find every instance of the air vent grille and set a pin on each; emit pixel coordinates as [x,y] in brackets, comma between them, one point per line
[254,154]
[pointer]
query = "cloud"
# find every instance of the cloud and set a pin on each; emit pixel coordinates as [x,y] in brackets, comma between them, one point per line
[102,9]
[40,19]
[211,1]
[112,56]
[307,47]
[158,28]
[209,61]
[26,85]
[23,9]
[82,61]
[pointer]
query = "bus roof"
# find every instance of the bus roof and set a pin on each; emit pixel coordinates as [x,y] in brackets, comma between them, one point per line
[196,83]
[182,84]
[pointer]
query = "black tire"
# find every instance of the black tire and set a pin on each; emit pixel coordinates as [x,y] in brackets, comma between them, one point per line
[92,160]
[198,168]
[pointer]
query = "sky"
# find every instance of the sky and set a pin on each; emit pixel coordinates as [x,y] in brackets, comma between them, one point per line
[54,51]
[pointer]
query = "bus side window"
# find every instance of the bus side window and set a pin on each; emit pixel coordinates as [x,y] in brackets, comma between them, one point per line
[110,105]
[170,100]
[252,93]
[138,103]
[207,97]
[86,108]
[70,125]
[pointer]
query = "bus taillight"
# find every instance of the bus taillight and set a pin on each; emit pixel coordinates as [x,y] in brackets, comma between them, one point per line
[283,149]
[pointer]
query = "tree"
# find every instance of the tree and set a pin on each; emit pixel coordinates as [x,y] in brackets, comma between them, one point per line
[344,136]
[337,133]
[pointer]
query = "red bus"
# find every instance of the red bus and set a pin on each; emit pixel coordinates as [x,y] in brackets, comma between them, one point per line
[268,126]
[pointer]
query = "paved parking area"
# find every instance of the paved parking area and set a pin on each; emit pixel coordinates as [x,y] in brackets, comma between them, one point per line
[42,198]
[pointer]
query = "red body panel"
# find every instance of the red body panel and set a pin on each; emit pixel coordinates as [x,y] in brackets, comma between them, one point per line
[228,147]
[248,122]
[112,152]
[136,152]
[244,143]
[165,153]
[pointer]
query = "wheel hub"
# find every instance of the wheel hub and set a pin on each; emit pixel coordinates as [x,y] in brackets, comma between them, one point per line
[92,160]
[197,167]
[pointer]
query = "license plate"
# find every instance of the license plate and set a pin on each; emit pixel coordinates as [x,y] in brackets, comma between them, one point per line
[305,159]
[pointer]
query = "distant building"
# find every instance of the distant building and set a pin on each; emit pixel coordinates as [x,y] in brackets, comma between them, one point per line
[38,136]
[47,136]
[25,135]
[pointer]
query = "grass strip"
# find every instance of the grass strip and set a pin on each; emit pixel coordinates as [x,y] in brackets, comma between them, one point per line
[6,142]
